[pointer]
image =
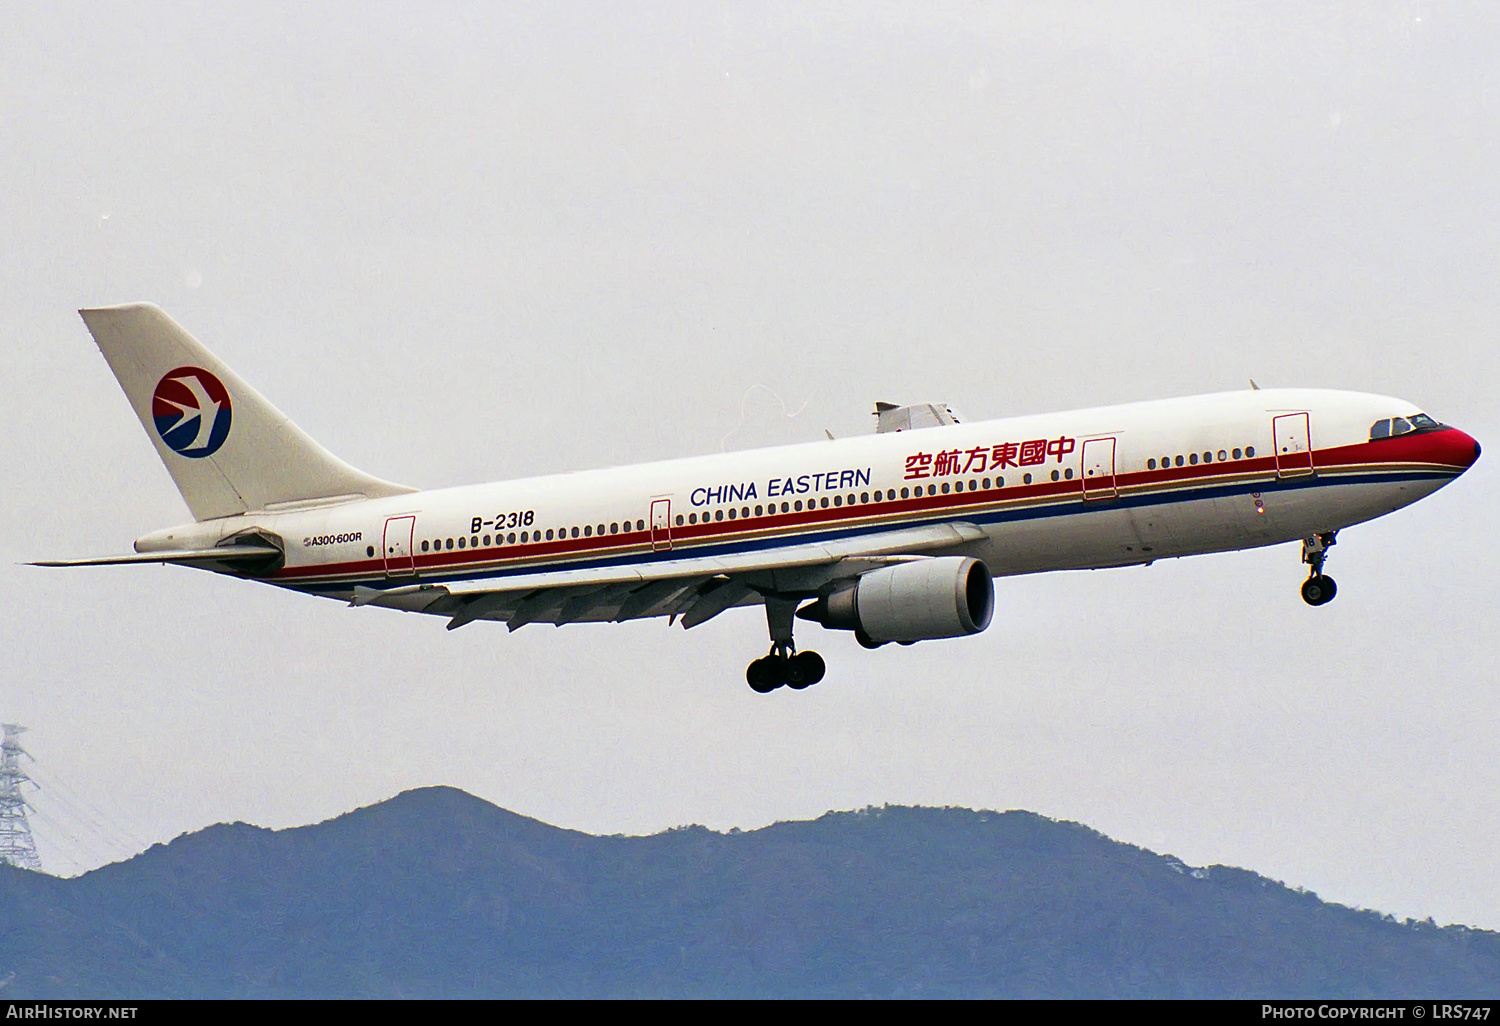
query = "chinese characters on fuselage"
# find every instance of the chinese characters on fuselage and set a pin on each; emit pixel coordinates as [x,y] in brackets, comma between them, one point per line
[981,458]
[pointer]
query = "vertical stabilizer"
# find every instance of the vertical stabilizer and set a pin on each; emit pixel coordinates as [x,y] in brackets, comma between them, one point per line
[228,450]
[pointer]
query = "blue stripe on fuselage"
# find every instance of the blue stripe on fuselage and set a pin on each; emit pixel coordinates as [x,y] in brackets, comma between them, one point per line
[1069,505]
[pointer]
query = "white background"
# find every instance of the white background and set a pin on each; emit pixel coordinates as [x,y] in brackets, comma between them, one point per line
[460,244]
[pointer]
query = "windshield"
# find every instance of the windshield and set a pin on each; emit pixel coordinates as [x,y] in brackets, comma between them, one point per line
[1397,426]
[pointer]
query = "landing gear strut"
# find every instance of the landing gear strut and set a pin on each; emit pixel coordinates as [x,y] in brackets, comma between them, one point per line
[784,664]
[1318,588]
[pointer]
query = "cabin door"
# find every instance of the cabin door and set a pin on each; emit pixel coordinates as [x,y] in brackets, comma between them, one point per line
[1292,436]
[397,546]
[661,524]
[1099,468]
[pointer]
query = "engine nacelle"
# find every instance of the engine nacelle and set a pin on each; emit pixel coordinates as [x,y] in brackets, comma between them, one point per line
[942,597]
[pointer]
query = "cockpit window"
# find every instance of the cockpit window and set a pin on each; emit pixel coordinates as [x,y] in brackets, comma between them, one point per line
[1397,426]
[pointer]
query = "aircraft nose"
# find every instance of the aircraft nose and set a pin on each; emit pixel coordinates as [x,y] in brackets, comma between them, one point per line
[1465,449]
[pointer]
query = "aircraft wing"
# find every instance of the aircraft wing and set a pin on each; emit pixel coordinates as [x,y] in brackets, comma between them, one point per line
[697,588]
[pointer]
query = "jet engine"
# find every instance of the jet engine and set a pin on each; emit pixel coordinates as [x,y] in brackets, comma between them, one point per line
[941,597]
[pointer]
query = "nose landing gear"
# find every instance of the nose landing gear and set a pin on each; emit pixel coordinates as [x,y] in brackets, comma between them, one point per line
[1318,588]
[784,664]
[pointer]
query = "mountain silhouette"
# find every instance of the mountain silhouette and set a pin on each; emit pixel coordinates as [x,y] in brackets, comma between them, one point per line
[436,893]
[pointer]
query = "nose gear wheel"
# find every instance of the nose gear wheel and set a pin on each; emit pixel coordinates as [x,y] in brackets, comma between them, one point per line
[1319,588]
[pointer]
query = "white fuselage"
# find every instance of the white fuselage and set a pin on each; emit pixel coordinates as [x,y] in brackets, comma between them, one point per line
[1101,487]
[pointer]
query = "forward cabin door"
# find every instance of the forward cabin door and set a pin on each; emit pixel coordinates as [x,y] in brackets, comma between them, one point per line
[397,546]
[1099,468]
[1293,438]
[661,524]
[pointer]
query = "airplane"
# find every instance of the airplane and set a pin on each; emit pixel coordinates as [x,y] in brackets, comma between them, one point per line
[895,536]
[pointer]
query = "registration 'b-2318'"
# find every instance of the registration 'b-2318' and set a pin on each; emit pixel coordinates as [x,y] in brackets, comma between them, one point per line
[895,536]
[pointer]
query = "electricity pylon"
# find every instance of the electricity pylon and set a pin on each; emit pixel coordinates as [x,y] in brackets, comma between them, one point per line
[17,848]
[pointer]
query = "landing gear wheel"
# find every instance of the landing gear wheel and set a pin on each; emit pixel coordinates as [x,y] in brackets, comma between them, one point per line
[1318,589]
[766,674]
[804,669]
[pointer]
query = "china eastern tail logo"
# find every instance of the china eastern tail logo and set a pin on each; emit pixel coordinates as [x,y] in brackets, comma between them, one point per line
[191,411]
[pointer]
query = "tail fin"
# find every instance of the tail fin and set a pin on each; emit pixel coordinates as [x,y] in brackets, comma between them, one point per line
[228,450]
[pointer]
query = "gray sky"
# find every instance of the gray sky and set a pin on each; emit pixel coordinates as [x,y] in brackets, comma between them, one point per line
[460,244]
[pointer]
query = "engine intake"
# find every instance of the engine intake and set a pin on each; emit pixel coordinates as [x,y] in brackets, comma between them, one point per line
[942,597]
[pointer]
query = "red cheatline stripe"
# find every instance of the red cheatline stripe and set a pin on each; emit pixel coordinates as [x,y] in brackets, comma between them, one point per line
[1393,455]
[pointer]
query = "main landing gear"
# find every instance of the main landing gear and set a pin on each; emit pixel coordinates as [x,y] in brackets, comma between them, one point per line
[784,664]
[797,670]
[1318,588]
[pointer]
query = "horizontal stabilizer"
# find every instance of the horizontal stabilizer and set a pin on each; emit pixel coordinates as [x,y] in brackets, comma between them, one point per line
[222,554]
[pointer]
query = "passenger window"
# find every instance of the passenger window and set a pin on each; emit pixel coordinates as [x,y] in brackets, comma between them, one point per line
[1193,458]
[1068,473]
[1055,475]
[1208,457]
[486,541]
[797,506]
[906,493]
[575,532]
[524,536]
[1237,454]
[718,514]
[864,497]
[588,530]
[1249,450]
[731,513]
[461,542]
[549,534]
[986,482]
[1151,463]
[1223,455]
[999,482]
[614,528]
[450,543]
[932,489]
[759,510]
[424,545]
[1179,461]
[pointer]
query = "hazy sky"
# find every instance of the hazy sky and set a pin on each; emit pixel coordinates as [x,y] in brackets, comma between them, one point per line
[466,243]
